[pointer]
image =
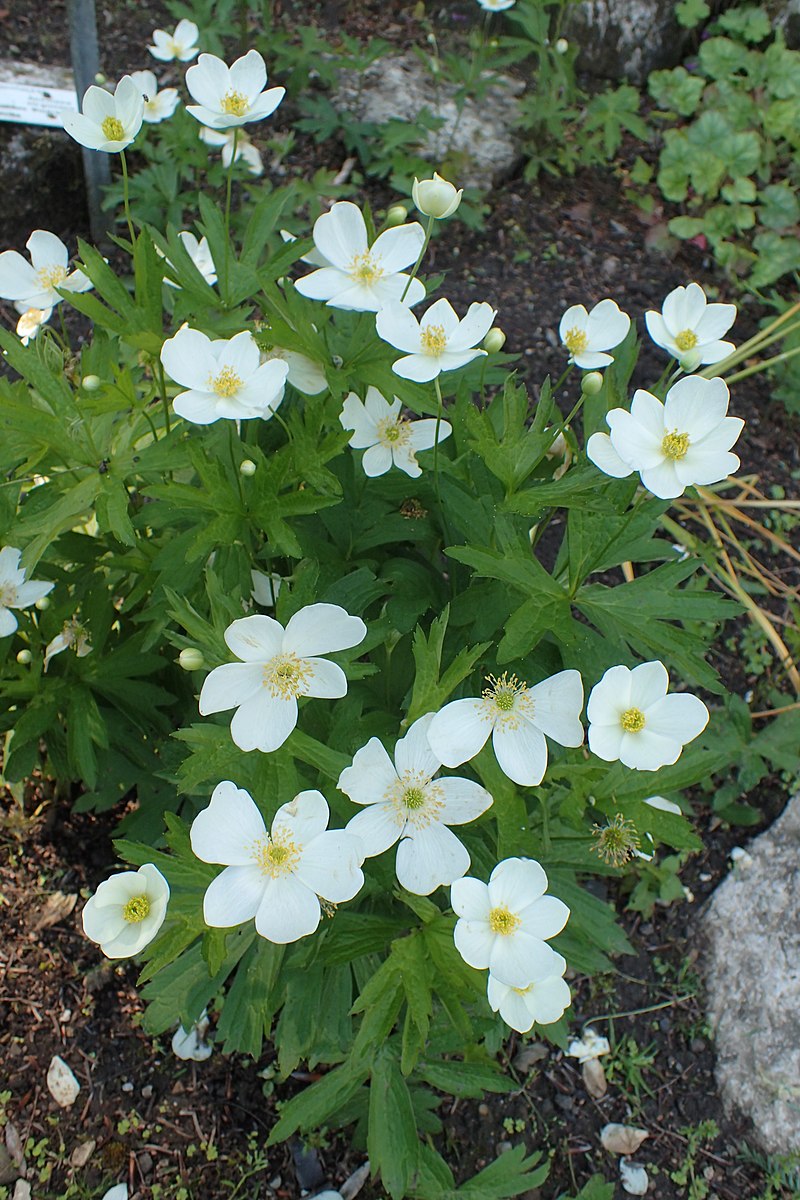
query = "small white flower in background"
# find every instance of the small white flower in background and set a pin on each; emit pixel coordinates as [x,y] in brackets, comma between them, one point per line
[587,335]
[200,254]
[190,1045]
[403,801]
[664,805]
[741,858]
[244,148]
[388,438]
[634,1178]
[688,324]
[105,122]
[631,717]
[231,96]
[182,44]
[496,5]
[588,1047]
[158,106]
[266,588]
[276,877]
[542,1002]
[226,379]
[118,1192]
[518,718]
[15,592]
[127,911]
[31,321]
[684,441]
[304,374]
[73,636]
[506,924]
[32,285]
[355,275]
[277,667]
[436,197]
[438,341]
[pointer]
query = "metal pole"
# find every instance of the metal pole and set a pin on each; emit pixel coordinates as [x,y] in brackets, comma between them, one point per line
[85,66]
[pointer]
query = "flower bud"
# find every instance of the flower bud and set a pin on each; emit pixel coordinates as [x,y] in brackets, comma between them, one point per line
[690,361]
[100,78]
[42,603]
[494,340]
[90,383]
[24,657]
[191,659]
[396,215]
[436,197]
[592,383]
[247,467]
[562,46]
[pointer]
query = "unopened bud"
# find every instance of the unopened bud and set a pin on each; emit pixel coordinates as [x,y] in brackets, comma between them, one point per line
[90,383]
[562,46]
[42,603]
[24,657]
[494,340]
[247,467]
[592,383]
[690,361]
[191,659]
[396,215]
[436,197]
[100,78]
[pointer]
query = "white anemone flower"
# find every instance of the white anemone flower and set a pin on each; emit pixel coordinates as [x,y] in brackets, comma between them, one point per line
[108,123]
[634,720]
[190,1044]
[200,254]
[388,438]
[403,801]
[15,592]
[225,378]
[356,275]
[689,325]
[32,285]
[686,440]
[438,341]
[244,148]
[587,335]
[266,588]
[436,197]
[543,1002]
[588,1047]
[31,322]
[506,924]
[231,96]
[182,44]
[496,5]
[118,1192]
[276,877]
[305,375]
[277,667]
[73,636]
[127,911]
[518,718]
[158,106]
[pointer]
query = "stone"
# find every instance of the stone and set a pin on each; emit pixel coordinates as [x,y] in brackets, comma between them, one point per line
[752,967]
[625,39]
[475,148]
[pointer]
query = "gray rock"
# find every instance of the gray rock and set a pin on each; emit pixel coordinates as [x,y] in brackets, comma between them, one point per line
[477,146]
[752,925]
[625,39]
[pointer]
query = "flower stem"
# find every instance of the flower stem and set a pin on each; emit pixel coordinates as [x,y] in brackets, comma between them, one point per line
[126,198]
[228,187]
[428,232]
[162,390]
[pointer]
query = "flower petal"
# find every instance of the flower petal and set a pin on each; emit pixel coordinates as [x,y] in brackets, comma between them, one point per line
[679,715]
[519,959]
[521,752]
[225,831]
[371,775]
[321,629]
[413,752]
[430,858]
[233,897]
[399,327]
[463,800]
[469,898]
[399,247]
[341,234]
[263,722]
[376,827]
[600,450]
[255,639]
[472,328]
[557,704]
[331,865]
[288,911]
[230,685]
[302,819]
[459,731]
[516,883]
[376,461]
[648,683]
[546,917]
[328,681]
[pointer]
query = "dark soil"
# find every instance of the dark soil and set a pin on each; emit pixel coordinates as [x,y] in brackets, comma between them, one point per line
[189,1132]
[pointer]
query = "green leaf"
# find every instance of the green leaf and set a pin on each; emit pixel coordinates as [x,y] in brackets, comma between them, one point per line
[431,689]
[691,13]
[510,1174]
[721,58]
[392,1140]
[779,207]
[467,1079]
[317,1104]
[250,1001]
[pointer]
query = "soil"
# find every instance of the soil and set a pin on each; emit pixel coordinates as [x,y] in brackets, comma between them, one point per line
[191,1131]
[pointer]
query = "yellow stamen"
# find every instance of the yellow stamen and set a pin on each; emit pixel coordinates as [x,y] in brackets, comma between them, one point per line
[276,859]
[235,103]
[364,269]
[506,700]
[136,909]
[287,676]
[632,720]
[576,340]
[686,340]
[675,445]
[433,340]
[394,431]
[113,129]
[415,800]
[227,382]
[503,921]
[49,277]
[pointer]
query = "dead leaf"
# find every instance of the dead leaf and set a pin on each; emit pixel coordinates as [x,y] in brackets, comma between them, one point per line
[81,1154]
[594,1078]
[61,1083]
[529,1056]
[14,1144]
[56,907]
[22,1191]
[622,1139]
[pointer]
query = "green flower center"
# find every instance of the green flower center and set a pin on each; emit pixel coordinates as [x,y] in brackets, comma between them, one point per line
[235,104]
[576,340]
[632,720]
[287,676]
[136,909]
[503,921]
[113,129]
[364,269]
[394,431]
[433,340]
[414,798]
[675,445]
[686,340]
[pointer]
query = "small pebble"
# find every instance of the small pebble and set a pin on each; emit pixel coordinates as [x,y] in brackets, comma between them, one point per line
[147,1091]
[483,1110]
[127,1087]
[503,1148]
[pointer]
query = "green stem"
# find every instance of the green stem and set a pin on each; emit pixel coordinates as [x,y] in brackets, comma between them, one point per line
[235,465]
[126,198]
[162,388]
[428,233]
[228,188]
[763,365]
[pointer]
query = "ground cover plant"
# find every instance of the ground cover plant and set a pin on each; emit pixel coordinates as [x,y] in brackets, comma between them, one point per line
[197,466]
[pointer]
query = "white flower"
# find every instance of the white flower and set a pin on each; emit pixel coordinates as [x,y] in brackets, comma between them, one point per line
[436,197]
[587,334]
[356,275]
[542,1002]
[277,666]
[106,122]
[14,591]
[244,148]
[33,284]
[518,718]
[404,801]
[275,877]
[659,802]
[687,440]
[118,1192]
[589,1047]
[190,1045]
[73,636]
[266,588]
[388,438]
[688,323]
[231,96]
[199,253]
[505,925]
[226,379]
[304,374]
[182,44]
[438,341]
[634,720]
[127,911]
[496,5]
[31,321]
[158,106]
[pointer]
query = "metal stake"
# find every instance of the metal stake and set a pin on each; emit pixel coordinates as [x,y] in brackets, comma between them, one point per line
[85,66]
